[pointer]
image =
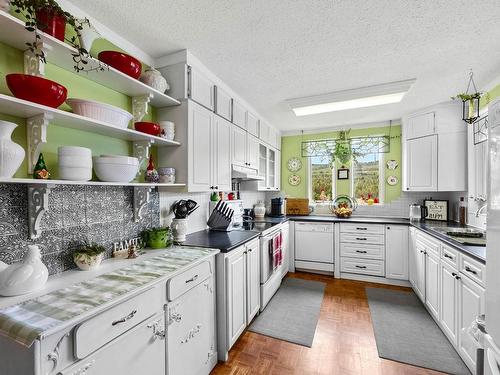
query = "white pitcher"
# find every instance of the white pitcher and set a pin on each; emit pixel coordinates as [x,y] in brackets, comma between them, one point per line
[23,277]
[11,154]
[179,229]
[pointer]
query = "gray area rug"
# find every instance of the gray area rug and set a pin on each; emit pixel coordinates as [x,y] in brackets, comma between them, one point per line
[405,332]
[293,312]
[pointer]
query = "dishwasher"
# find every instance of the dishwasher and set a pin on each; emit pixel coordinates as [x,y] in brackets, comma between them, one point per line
[314,246]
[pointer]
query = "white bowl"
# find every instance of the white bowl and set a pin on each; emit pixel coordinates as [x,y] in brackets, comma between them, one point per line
[75,173]
[100,112]
[74,151]
[88,263]
[72,161]
[110,172]
[116,159]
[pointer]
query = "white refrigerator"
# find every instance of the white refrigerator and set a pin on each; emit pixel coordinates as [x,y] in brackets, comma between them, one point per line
[492,339]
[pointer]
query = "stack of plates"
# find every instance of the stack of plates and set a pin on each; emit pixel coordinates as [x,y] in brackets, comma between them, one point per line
[75,163]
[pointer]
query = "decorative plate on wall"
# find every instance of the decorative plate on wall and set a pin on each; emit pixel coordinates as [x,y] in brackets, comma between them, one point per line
[392,180]
[294,179]
[294,164]
[392,164]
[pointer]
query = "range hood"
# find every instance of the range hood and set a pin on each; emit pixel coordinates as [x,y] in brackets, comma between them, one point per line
[245,174]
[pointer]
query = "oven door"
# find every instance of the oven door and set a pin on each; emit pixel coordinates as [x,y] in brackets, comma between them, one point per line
[267,257]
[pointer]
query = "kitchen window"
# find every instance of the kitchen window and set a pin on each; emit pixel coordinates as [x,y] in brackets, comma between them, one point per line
[322,179]
[367,180]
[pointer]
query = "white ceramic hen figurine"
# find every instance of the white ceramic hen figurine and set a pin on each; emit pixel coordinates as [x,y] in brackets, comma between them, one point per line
[23,277]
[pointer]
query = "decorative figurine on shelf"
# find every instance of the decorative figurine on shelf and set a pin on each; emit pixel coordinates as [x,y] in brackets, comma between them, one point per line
[132,252]
[40,171]
[151,175]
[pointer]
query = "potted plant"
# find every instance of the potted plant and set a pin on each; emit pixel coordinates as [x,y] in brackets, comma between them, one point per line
[157,238]
[89,256]
[49,17]
[470,104]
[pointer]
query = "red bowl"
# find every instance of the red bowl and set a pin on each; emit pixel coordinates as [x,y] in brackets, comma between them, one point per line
[123,62]
[150,128]
[37,89]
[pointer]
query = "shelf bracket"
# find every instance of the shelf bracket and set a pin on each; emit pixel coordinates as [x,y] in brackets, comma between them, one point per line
[32,64]
[141,199]
[38,204]
[140,106]
[141,151]
[37,136]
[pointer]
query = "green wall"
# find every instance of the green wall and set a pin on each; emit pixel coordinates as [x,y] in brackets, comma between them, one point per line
[11,61]
[291,147]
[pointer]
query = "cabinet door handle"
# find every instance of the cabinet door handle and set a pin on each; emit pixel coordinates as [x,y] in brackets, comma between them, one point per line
[361,251]
[468,269]
[125,318]
[194,278]
[361,238]
[448,256]
[362,267]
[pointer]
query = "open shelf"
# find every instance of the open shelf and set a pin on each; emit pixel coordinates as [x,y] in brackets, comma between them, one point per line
[32,181]
[22,108]
[13,33]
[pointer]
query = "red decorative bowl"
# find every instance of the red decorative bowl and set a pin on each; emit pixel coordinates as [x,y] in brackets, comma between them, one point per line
[122,62]
[150,128]
[37,89]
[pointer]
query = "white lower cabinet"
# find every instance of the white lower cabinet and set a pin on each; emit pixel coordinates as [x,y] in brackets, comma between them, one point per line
[191,345]
[285,233]
[396,252]
[448,316]
[432,290]
[239,278]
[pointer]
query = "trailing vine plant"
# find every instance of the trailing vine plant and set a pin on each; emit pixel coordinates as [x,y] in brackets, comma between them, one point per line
[29,8]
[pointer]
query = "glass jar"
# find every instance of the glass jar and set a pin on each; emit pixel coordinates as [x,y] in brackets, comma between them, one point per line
[167,175]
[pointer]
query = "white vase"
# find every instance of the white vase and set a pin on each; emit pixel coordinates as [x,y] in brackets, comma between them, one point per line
[179,229]
[11,154]
[154,79]
[87,35]
[5,5]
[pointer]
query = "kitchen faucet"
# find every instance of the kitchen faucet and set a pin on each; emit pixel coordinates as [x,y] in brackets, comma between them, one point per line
[480,209]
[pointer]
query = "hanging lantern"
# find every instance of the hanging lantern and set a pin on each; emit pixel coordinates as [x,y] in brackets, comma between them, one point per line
[470,101]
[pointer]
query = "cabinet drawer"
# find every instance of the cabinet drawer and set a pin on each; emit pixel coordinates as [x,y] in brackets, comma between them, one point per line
[180,284]
[362,228]
[101,329]
[313,227]
[366,251]
[431,245]
[473,269]
[361,238]
[362,266]
[449,255]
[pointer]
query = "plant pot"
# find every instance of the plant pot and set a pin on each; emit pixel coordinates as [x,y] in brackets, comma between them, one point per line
[11,154]
[158,239]
[5,5]
[51,22]
[87,262]
[88,35]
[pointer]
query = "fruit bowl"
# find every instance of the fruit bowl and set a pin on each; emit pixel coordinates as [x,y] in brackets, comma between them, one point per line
[122,62]
[343,212]
[150,128]
[37,89]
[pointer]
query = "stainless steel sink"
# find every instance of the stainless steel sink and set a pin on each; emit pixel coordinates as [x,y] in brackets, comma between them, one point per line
[464,232]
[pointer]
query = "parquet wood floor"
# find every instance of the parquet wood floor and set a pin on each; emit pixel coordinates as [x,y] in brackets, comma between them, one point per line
[344,342]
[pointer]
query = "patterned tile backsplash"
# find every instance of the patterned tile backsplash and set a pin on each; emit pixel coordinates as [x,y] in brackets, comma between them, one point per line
[101,214]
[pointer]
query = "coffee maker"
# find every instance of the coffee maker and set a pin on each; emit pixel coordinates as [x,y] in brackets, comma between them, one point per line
[277,207]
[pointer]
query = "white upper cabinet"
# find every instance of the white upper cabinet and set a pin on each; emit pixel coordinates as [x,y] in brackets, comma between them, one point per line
[435,149]
[223,103]
[421,164]
[239,142]
[265,132]
[421,125]
[200,148]
[396,252]
[252,151]
[239,114]
[269,168]
[200,88]
[221,154]
[253,124]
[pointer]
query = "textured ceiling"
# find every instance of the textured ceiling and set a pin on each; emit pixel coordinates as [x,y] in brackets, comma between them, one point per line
[269,51]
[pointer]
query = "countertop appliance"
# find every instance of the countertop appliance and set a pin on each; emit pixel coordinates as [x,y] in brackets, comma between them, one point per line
[277,207]
[492,342]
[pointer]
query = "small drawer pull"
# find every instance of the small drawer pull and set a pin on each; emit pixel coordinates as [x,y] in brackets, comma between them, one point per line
[360,228]
[194,278]
[468,269]
[361,251]
[125,318]
[360,266]
[448,256]
[360,238]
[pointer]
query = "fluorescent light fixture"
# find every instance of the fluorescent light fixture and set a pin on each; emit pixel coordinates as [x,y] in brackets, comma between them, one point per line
[370,96]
